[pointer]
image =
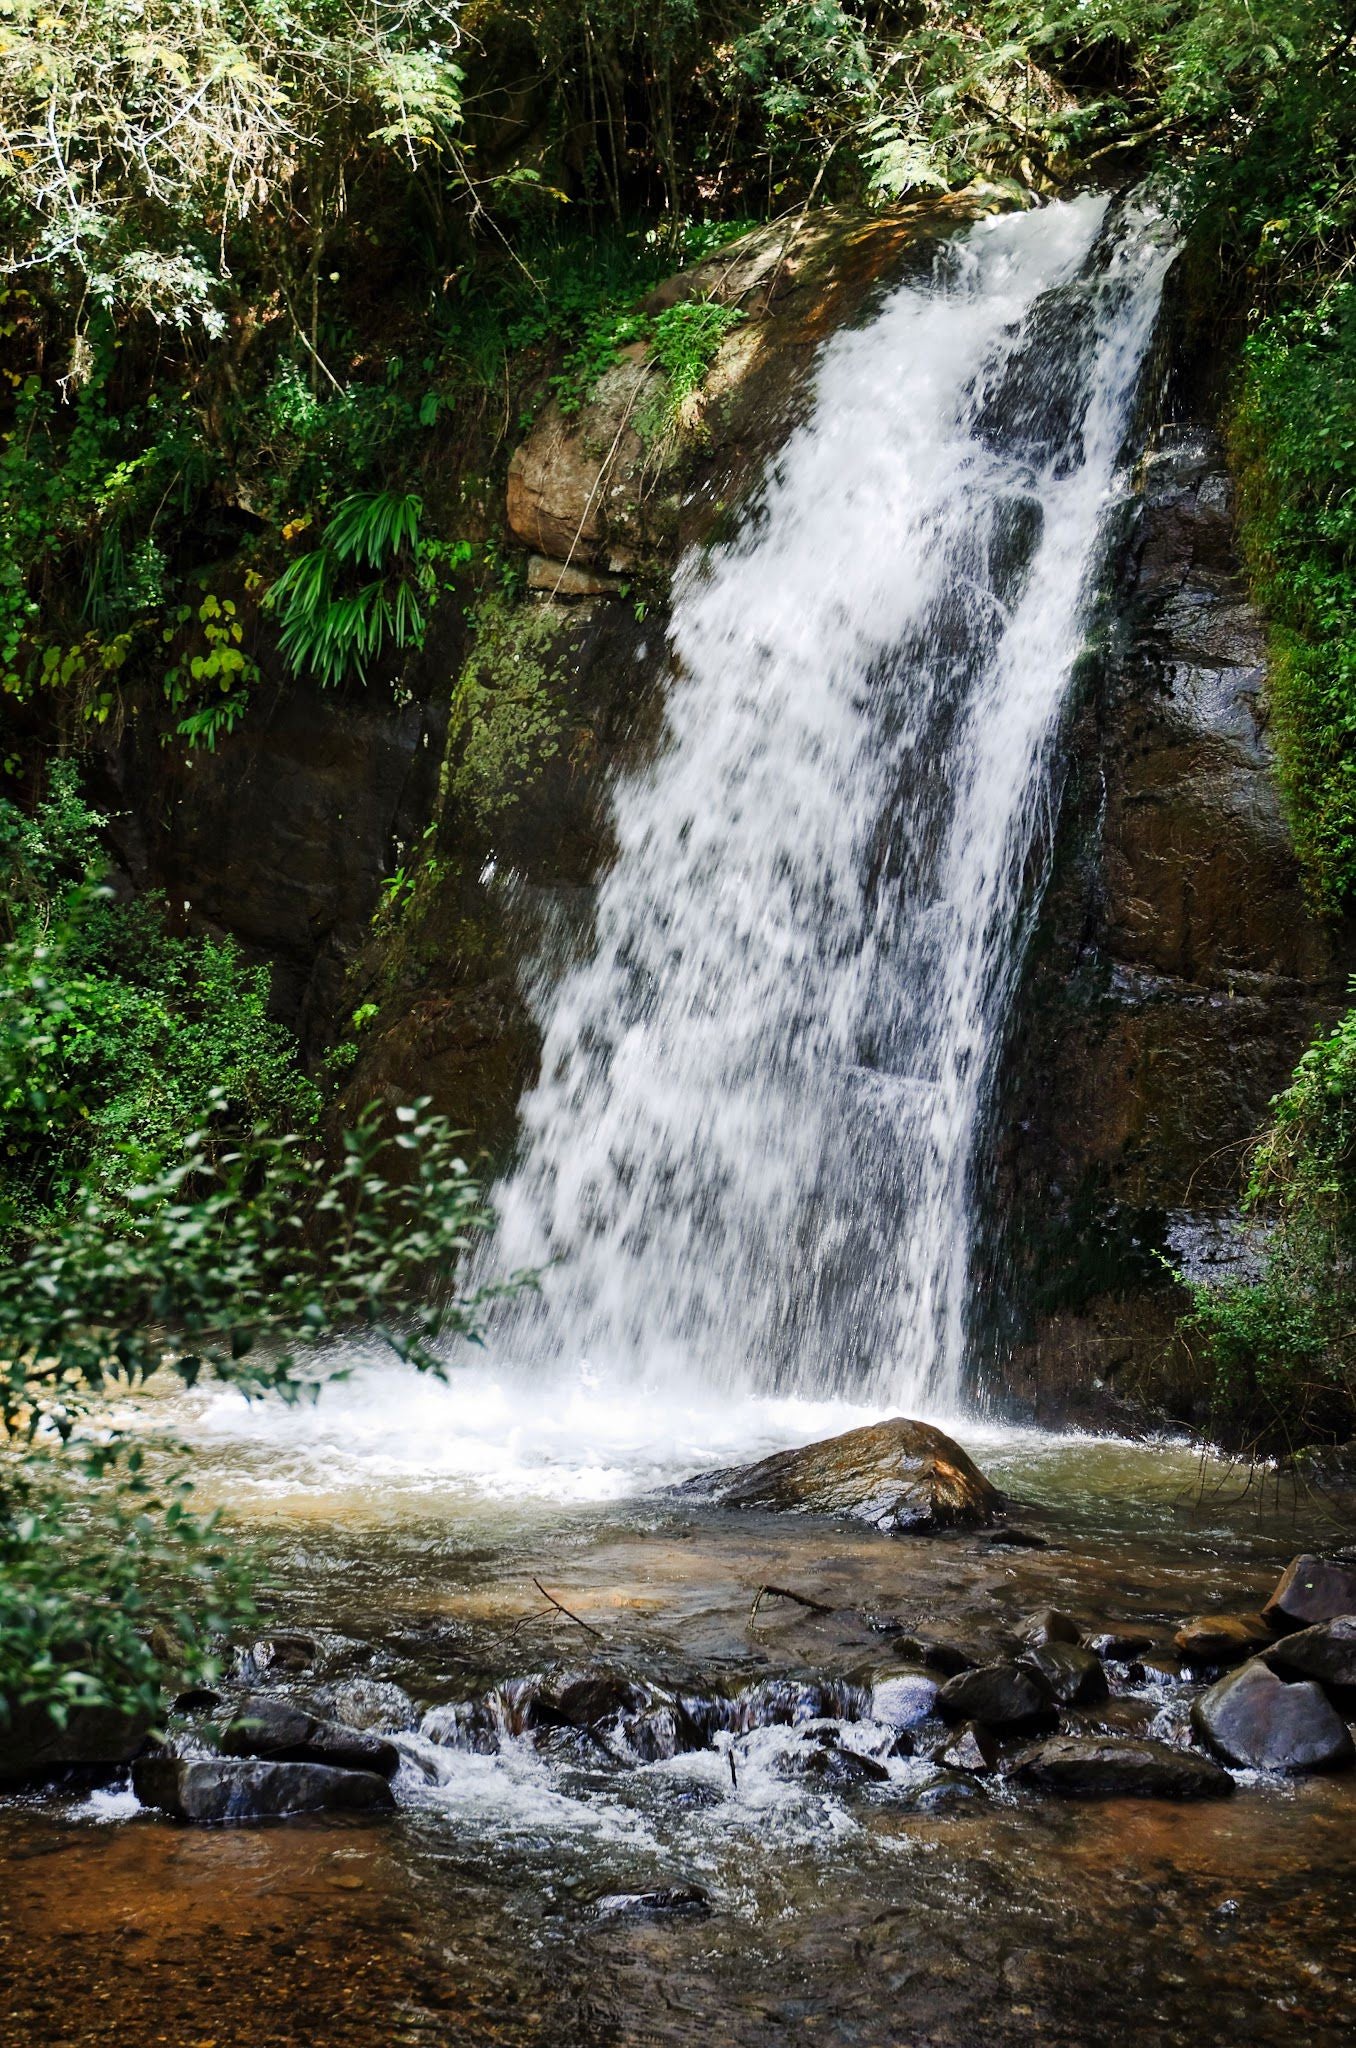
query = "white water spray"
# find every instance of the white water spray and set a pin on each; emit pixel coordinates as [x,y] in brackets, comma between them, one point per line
[749,1159]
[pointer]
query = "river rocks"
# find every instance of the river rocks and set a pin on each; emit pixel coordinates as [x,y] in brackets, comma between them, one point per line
[1311,1589]
[1118,1645]
[212,1789]
[33,1746]
[283,1732]
[686,1901]
[998,1695]
[1221,1638]
[935,1653]
[1327,1652]
[969,1748]
[901,1477]
[1257,1720]
[828,1766]
[1048,1626]
[1105,1767]
[904,1698]
[1074,1675]
[376,1704]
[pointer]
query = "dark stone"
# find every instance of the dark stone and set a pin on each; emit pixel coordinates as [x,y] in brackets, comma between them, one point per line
[1105,1767]
[1017,1539]
[283,1732]
[951,1789]
[948,1658]
[687,1901]
[999,1696]
[594,1696]
[1255,1719]
[1048,1626]
[1221,1638]
[1327,1652]
[1118,1645]
[226,1789]
[200,1699]
[826,1764]
[33,1746]
[1074,1675]
[902,1477]
[968,1748]
[287,1651]
[1311,1589]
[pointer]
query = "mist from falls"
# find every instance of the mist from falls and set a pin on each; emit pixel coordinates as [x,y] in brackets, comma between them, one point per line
[750,1158]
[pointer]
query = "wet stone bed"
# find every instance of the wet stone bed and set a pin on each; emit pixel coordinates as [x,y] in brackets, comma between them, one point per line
[676,1807]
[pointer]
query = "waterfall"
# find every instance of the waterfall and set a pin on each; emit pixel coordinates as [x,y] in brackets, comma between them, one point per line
[750,1156]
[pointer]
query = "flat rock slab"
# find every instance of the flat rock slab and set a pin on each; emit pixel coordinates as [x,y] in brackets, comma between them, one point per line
[1257,1720]
[214,1789]
[1101,1767]
[1311,1589]
[902,1477]
[1327,1652]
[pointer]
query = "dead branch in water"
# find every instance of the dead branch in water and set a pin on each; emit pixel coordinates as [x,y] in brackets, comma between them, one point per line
[561,1608]
[785,1593]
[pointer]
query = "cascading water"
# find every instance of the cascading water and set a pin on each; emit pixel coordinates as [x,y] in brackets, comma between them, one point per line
[749,1157]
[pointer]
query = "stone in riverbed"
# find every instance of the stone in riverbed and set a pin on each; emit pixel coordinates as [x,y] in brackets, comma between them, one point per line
[375,1704]
[1221,1638]
[969,1748]
[998,1696]
[1311,1589]
[33,1746]
[824,1762]
[948,1658]
[1255,1719]
[1327,1652]
[212,1789]
[1118,1645]
[1074,1675]
[282,1732]
[1103,1767]
[902,1477]
[1048,1625]
[901,1699]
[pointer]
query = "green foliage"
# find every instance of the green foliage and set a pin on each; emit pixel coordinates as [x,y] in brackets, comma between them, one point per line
[114,1033]
[1280,1349]
[1294,444]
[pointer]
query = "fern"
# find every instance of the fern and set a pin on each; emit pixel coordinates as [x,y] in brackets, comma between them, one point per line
[335,632]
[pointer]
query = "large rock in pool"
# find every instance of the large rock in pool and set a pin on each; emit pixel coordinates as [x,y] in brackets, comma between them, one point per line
[901,1477]
[1104,1767]
[227,1789]
[1255,1719]
[1311,1589]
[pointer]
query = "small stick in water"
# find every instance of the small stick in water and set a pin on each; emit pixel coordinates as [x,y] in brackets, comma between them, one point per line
[561,1608]
[785,1593]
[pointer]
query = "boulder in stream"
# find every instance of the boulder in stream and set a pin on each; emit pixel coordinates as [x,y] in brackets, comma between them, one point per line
[998,1696]
[281,1732]
[1311,1589]
[33,1746]
[904,1478]
[1255,1719]
[1327,1652]
[1221,1638]
[1074,1675]
[213,1789]
[1106,1767]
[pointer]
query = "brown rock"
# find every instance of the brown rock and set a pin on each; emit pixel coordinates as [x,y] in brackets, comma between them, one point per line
[1048,1625]
[900,1476]
[1221,1638]
[1311,1589]
[1104,1767]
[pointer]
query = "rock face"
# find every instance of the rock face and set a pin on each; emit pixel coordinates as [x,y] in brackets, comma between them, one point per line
[1255,1719]
[33,1746]
[902,1477]
[1311,1589]
[223,1789]
[285,1733]
[1097,1767]
[1174,978]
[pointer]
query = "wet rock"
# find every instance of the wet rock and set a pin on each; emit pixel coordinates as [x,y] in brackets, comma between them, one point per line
[1221,1638]
[969,1748]
[1017,1539]
[1311,1589]
[939,1795]
[1105,1767]
[1073,1674]
[948,1658]
[825,1764]
[375,1704]
[999,1696]
[287,1651]
[904,1698]
[199,1699]
[1048,1625]
[589,1697]
[1255,1719]
[901,1477]
[687,1901]
[33,1746]
[786,1703]
[1327,1652]
[569,580]
[227,1789]
[1118,1645]
[654,1736]
[282,1732]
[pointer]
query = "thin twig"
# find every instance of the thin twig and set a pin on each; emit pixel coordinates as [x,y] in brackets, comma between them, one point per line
[561,1608]
[785,1593]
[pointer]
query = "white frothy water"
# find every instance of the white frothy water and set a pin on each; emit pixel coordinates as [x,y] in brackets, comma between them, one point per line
[748,1161]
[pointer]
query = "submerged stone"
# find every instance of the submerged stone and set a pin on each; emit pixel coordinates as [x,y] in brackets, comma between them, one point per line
[970,1748]
[902,1477]
[1257,1720]
[687,1900]
[1104,1767]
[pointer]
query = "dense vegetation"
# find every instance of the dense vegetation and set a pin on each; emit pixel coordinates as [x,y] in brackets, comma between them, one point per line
[281,285]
